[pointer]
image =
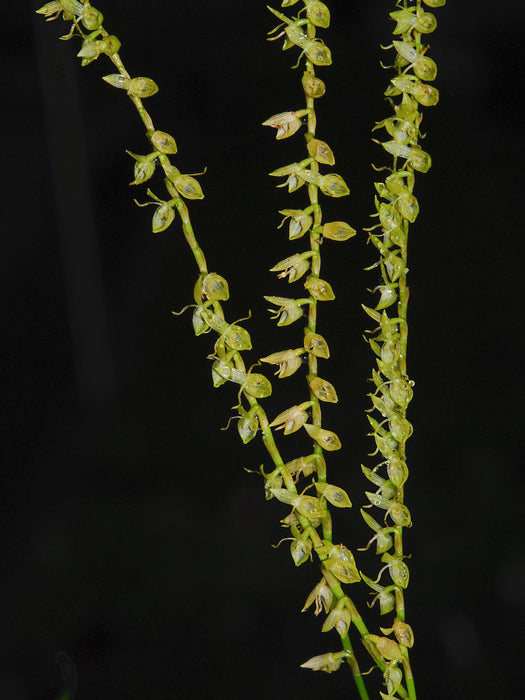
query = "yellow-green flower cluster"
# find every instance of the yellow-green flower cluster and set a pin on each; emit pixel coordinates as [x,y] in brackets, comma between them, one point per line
[396,208]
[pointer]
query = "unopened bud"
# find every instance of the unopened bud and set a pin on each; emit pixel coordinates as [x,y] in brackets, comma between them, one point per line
[323,390]
[321,152]
[313,87]
[333,186]
[333,494]
[142,87]
[318,13]
[91,18]
[316,344]
[325,662]
[338,231]
[163,142]
[327,439]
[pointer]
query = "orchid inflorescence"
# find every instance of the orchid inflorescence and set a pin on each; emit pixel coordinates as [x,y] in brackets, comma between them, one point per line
[309,521]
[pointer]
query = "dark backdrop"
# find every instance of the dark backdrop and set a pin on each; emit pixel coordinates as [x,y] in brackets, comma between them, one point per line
[132,538]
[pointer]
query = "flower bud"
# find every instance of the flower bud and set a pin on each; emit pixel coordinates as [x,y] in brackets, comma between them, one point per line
[397,472]
[333,494]
[323,390]
[327,439]
[317,52]
[187,186]
[321,152]
[237,338]
[344,571]
[163,142]
[91,18]
[338,231]
[142,87]
[117,80]
[318,13]
[425,22]
[110,45]
[333,186]
[389,217]
[312,86]
[210,287]
[257,385]
[400,428]
[426,95]
[401,391]
[408,206]
[316,344]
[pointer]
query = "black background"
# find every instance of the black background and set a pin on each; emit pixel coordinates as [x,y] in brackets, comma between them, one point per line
[132,537]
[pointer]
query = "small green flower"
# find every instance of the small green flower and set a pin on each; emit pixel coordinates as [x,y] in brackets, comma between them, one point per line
[286,123]
[328,663]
